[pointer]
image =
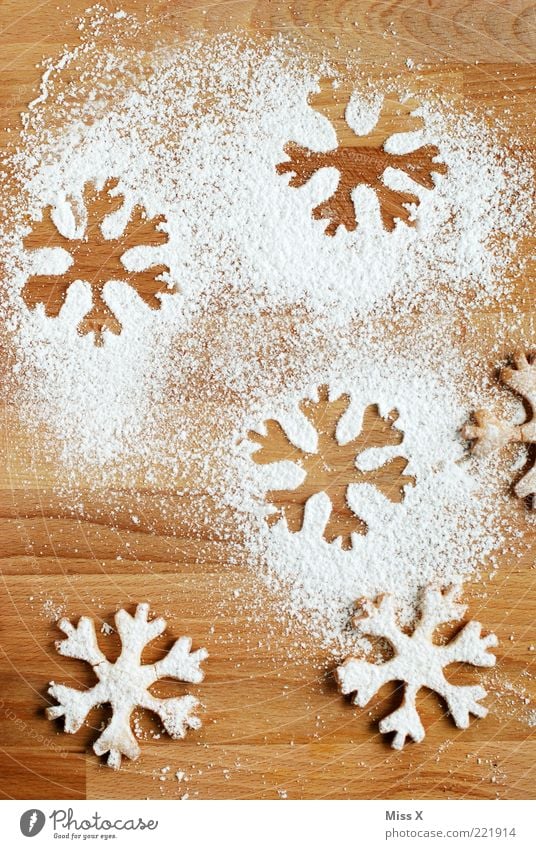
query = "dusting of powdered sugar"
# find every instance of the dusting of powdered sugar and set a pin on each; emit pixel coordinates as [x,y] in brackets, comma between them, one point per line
[266,307]
[437,534]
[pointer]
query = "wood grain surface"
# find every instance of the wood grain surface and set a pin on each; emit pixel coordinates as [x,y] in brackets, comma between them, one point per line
[273,726]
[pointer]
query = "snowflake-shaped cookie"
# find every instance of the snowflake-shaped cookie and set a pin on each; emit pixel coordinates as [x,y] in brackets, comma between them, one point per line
[125,684]
[418,662]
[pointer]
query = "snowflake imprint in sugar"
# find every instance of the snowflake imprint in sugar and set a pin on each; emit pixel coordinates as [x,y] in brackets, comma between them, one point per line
[125,684]
[418,662]
[332,467]
[97,256]
[364,160]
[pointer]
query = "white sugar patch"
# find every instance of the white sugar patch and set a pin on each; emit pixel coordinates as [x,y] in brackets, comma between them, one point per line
[268,307]
[439,532]
[185,149]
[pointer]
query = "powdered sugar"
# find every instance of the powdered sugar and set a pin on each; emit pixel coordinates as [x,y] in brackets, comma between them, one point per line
[447,511]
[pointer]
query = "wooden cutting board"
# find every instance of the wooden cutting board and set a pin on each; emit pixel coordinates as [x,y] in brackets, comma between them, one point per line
[272,727]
